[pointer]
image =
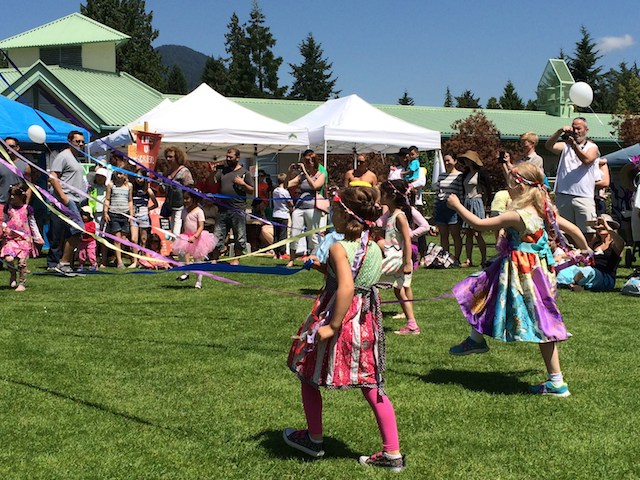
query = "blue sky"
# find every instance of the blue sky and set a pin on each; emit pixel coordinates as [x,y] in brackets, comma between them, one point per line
[380,48]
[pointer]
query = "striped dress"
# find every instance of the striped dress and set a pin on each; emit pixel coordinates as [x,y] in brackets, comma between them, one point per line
[355,356]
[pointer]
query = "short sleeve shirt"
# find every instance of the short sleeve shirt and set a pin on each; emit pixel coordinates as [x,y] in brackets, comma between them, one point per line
[70,173]
[237,195]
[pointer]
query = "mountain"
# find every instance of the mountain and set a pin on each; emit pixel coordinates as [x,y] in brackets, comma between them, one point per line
[191,62]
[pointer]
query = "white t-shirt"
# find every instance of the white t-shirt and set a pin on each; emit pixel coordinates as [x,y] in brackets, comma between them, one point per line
[574,177]
[280,205]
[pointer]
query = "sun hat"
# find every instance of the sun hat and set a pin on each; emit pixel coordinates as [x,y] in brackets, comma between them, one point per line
[102,171]
[612,223]
[627,176]
[87,209]
[471,155]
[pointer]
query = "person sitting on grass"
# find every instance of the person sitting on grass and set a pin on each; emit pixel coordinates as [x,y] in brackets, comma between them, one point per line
[513,300]
[607,249]
[341,343]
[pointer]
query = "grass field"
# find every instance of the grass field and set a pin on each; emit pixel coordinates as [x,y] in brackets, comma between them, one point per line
[138,376]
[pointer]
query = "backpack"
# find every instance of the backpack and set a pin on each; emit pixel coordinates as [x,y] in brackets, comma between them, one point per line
[437,257]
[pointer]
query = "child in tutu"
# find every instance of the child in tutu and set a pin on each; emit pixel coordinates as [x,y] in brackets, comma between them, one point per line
[194,243]
[513,300]
[341,343]
[155,245]
[19,236]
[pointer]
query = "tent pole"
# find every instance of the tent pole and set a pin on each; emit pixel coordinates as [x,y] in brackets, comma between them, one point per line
[325,156]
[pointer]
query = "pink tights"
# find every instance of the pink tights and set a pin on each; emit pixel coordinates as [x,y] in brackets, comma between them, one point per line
[380,404]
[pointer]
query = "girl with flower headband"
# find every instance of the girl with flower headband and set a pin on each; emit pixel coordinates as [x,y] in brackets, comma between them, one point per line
[341,343]
[398,263]
[513,300]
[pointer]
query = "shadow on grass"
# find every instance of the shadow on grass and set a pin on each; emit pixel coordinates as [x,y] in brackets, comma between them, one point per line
[489,382]
[271,441]
[90,404]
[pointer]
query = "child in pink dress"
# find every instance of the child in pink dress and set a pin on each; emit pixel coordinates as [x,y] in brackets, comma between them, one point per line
[88,245]
[194,243]
[19,234]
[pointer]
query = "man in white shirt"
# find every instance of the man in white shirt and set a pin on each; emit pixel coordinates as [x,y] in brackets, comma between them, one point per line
[577,174]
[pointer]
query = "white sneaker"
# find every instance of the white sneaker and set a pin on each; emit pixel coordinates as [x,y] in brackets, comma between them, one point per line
[198,285]
[183,277]
[399,316]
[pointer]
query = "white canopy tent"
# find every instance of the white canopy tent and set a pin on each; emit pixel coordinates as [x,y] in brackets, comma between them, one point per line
[349,123]
[208,124]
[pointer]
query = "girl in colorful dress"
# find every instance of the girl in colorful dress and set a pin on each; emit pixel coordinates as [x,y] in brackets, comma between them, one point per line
[154,243]
[142,195]
[194,243]
[513,300]
[20,234]
[398,263]
[341,343]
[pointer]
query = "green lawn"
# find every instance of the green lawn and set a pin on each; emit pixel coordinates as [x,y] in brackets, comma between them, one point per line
[138,376]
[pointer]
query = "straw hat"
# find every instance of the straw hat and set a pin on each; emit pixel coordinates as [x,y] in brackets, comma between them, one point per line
[612,223]
[627,176]
[471,155]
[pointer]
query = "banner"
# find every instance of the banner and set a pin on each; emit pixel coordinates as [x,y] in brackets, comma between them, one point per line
[148,148]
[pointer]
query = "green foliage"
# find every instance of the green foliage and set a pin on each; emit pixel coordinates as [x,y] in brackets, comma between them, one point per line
[137,376]
[264,62]
[136,57]
[448,98]
[492,103]
[531,105]
[216,75]
[242,74]
[467,100]
[510,100]
[312,78]
[406,99]
[582,66]
[176,83]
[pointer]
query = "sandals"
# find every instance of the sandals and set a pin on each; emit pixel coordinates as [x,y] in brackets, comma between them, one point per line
[466,264]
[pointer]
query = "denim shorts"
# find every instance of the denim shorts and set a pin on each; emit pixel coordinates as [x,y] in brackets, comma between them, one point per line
[118,223]
[445,215]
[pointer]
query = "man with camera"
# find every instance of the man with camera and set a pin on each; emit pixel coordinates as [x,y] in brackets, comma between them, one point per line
[577,174]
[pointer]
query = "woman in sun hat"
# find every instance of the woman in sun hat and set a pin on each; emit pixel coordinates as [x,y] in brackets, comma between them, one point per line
[477,187]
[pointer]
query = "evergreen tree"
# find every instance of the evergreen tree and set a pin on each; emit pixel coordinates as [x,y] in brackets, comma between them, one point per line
[448,98]
[619,93]
[582,66]
[264,62]
[312,78]
[176,82]
[531,105]
[492,104]
[467,100]
[510,100]
[242,74]
[216,75]
[136,56]
[406,99]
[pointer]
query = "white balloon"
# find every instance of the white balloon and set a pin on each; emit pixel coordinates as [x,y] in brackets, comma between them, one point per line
[37,134]
[581,94]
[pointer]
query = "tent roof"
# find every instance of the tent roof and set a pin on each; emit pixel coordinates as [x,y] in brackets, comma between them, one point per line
[350,122]
[623,156]
[74,29]
[16,118]
[209,124]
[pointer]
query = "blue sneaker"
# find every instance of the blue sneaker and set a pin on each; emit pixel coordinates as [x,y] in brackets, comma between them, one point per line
[468,346]
[548,388]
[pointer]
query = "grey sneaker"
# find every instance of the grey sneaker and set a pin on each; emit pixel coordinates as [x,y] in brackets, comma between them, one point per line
[300,440]
[468,346]
[63,269]
[381,460]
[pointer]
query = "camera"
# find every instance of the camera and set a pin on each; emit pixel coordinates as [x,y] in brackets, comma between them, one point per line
[443,196]
[502,157]
[566,135]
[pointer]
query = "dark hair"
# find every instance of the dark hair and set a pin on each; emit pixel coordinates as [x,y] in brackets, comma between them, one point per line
[413,148]
[142,171]
[19,189]
[14,139]
[364,203]
[153,237]
[179,154]
[399,191]
[72,134]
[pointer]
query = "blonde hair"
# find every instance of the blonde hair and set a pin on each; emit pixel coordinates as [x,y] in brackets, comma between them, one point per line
[534,193]
[530,136]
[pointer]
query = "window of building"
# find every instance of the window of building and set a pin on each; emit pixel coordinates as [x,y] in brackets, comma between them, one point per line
[67,56]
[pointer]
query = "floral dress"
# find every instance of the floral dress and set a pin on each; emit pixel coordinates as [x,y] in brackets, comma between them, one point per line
[355,355]
[514,298]
[18,240]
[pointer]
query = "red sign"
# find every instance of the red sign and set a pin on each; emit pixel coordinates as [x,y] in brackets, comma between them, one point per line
[148,146]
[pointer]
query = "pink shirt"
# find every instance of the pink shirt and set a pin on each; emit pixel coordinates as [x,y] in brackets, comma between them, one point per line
[190,219]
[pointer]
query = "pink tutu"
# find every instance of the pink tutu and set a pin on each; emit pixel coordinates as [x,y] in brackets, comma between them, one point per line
[198,249]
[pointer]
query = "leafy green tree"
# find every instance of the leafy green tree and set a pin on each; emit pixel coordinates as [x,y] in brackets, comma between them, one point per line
[582,66]
[216,75]
[492,104]
[136,56]
[406,99]
[448,99]
[312,78]
[176,82]
[531,105]
[510,100]
[620,93]
[242,74]
[467,100]
[264,62]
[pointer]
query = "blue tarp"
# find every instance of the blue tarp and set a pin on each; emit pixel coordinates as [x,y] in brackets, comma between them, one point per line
[620,158]
[16,118]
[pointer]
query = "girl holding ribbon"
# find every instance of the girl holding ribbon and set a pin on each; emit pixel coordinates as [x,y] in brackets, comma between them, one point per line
[513,300]
[341,343]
